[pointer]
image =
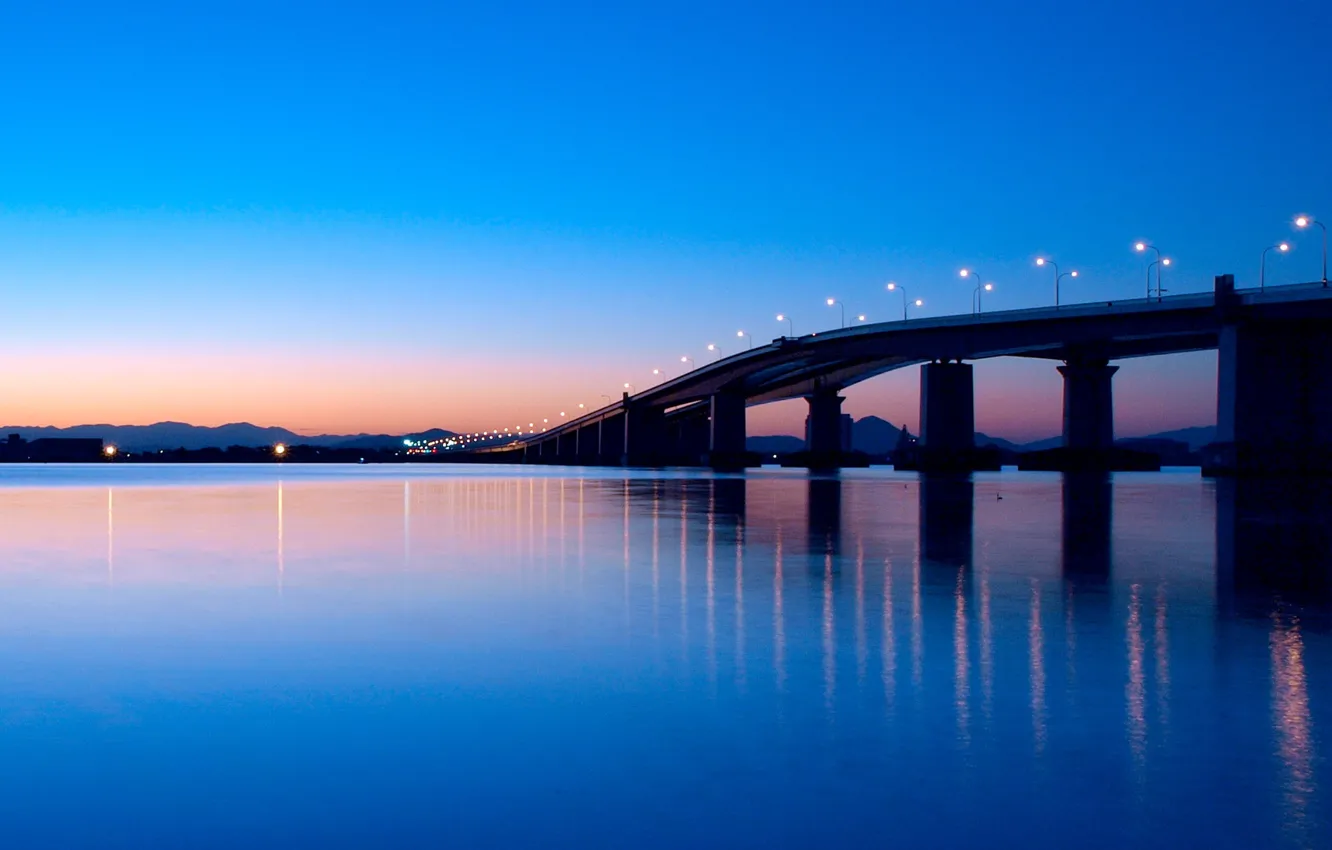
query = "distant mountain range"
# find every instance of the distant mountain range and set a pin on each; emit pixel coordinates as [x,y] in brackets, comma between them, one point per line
[871,435]
[179,435]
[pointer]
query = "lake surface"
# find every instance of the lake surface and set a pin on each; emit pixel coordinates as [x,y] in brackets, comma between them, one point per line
[506,657]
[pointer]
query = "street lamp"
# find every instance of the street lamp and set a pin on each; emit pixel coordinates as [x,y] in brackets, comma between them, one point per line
[280,450]
[1283,247]
[712,346]
[781,317]
[1158,265]
[976,306]
[744,335]
[894,286]
[689,360]
[1041,261]
[630,387]
[832,301]
[860,318]
[1145,246]
[1303,222]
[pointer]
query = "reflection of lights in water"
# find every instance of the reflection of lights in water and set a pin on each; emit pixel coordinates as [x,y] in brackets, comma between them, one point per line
[1134,691]
[829,641]
[861,650]
[684,572]
[281,548]
[110,537]
[740,672]
[1070,641]
[625,499]
[711,587]
[406,523]
[961,664]
[1036,651]
[778,618]
[656,560]
[1291,720]
[986,643]
[888,651]
[917,628]
[1161,639]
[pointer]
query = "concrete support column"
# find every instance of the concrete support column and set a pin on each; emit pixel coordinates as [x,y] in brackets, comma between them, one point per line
[1089,412]
[1274,399]
[611,452]
[947,409]
[726,426]
[823,430]
[644,436]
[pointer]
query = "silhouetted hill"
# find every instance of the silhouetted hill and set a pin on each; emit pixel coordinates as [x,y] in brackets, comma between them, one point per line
[777,444]
[175,435]
[1196,437]
[874,436]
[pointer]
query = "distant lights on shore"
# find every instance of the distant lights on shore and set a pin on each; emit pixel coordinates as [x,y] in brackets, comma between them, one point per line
[110,451]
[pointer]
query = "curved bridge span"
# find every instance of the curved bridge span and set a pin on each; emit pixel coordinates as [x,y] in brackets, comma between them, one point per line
[1274,380]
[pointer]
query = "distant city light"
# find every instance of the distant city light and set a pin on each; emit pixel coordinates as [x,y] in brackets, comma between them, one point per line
[280,449]
[109,451]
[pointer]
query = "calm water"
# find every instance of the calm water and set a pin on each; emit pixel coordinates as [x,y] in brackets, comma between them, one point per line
[481,657]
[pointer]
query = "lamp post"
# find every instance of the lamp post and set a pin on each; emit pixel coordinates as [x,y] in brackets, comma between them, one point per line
[976,305]
[1303,222]
[832,301]
[1158,265]
[1041,261]
[743,335]
[1283,247]
[790,326]
[894,286]
[689,360]
[712,346]
[1145,246]
[862,318]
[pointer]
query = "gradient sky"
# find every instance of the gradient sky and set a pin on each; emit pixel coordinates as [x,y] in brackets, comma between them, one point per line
[349,217]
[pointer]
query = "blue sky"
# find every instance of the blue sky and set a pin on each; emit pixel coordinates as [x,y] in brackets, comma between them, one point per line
[408,206]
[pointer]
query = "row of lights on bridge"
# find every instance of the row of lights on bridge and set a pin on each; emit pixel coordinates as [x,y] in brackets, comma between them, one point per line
[1302,222]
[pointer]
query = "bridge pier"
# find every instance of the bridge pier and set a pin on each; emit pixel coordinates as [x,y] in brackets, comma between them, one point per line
[823,430]
[644,440]
[948,420]
[726,431]
[1274,399]
[1089,410]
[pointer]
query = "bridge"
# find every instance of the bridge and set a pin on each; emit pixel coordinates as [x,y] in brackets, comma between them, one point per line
[1274,382]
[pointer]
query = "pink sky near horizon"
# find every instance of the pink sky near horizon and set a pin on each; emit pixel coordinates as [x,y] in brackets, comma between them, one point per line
[346,392]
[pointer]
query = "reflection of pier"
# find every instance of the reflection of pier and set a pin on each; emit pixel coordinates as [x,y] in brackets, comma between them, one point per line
[947,516]
[825,515]
[1273,539]
[1088,500]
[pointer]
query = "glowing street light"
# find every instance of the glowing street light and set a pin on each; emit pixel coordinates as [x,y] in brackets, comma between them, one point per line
[860,318]
[712,347]
[981,288]
[1161,264]
[1283,247]
[1304,221]
[782,317]
[1041,261]
[744,335]
[1140,247]
[110,452]
[280,450]
[629,387]
[689,360]
[832,301]
[894,286]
